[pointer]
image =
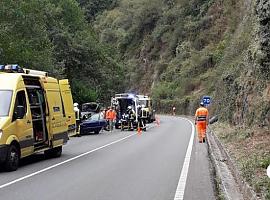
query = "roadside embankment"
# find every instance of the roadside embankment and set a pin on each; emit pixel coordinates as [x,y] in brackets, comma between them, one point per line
[240,158]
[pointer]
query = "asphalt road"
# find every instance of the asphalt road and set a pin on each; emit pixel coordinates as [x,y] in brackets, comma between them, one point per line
[117,166]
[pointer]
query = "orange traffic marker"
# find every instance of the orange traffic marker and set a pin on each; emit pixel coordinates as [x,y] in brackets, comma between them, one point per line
[158,121]
[139,130]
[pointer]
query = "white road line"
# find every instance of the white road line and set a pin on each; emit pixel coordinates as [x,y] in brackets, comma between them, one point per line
[180,191]
[61,163]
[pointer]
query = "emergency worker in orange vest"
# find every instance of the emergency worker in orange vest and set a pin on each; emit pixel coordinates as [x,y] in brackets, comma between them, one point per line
[201,120]
[111,117]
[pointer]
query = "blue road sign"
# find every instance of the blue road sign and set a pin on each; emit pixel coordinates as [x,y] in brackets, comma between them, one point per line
[206,100]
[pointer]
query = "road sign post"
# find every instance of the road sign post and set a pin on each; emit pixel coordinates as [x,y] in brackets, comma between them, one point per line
[206,101]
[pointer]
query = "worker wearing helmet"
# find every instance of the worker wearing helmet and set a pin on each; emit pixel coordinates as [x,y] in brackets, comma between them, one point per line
[131,117]
[143,117]
[201,120]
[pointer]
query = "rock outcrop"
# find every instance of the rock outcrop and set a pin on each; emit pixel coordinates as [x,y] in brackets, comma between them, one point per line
[263,13]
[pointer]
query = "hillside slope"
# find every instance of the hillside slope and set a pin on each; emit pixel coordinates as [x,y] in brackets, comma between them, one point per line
[180,50]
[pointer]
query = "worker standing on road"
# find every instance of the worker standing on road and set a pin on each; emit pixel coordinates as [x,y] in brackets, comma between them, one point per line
[103,113]
[111,117]
[173,110]
[201,120]
[131,118]
[77,115]
[141,118]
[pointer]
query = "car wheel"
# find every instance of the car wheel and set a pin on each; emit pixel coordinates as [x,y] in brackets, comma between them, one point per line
[13,157]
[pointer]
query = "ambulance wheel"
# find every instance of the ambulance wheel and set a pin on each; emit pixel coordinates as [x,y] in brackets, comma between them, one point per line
[54,153]
[13,157]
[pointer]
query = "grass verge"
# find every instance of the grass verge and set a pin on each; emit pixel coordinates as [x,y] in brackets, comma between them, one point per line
[250,149]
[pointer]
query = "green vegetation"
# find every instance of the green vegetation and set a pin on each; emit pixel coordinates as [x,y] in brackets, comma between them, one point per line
[54,36]
[180,50]
[175,50]
[94,7]
[250,150]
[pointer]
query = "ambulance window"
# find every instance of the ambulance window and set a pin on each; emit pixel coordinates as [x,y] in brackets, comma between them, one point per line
[5,102]
[20,101]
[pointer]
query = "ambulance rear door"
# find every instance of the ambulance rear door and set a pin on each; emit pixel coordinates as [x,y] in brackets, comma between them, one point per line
[68,106]
[57,120]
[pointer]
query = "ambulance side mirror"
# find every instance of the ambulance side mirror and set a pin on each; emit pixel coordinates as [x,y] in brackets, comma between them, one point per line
[213,119]
[20,112]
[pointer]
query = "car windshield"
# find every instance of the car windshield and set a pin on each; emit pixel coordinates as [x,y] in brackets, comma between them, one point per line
[89,107]
[5,102]
[95,117]
[124,103]
[144,102]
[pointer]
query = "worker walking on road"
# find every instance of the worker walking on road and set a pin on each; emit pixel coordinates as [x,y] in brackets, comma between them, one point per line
[173,110]
[77,116]
[201,120]
[111,117]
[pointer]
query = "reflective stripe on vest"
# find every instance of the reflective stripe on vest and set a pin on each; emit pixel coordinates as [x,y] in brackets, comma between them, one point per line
[201,118]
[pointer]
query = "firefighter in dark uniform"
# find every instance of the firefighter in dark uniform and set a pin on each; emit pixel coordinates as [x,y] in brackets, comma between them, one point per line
[142,117]
[131,118]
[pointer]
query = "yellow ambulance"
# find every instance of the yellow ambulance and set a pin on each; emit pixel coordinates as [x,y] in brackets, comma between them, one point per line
[36,114]
[147,107]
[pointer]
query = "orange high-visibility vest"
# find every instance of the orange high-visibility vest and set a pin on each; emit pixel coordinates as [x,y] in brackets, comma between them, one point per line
[201,114]
[111,115]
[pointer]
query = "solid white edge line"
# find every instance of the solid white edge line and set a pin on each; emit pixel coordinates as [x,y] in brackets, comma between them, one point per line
[180,191]
[61,163]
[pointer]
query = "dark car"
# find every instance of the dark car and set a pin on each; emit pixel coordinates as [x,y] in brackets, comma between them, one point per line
[88,109]
[93,124]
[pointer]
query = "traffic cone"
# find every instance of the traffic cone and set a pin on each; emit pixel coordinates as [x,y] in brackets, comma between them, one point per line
[158,121]
[139,130]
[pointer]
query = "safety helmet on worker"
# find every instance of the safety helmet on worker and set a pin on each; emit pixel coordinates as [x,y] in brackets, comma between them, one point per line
[75,104]
[129,107]
[201,104]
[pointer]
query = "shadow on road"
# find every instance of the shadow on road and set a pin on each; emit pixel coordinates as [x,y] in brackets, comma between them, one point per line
[29,160]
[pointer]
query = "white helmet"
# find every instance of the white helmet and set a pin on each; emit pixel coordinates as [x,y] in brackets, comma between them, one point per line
[129,107]
[75,104]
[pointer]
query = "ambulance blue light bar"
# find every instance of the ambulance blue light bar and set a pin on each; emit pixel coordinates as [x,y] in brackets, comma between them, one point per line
[11,68]
[131,95]
[15,67]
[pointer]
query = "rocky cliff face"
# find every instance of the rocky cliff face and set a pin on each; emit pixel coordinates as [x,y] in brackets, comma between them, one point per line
[263,13]
[250,92]
[180,50]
